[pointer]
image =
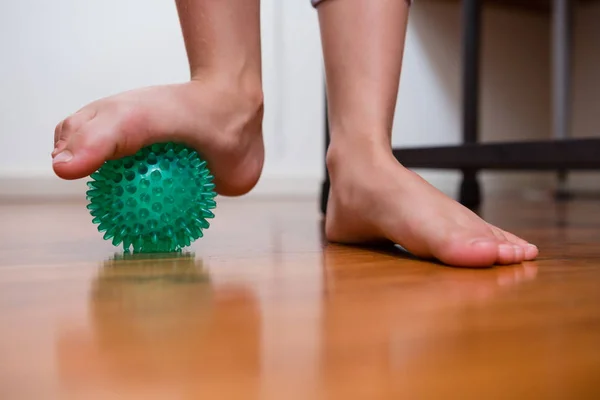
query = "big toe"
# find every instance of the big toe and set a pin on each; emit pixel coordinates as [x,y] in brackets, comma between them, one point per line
[82,144]
[469,252]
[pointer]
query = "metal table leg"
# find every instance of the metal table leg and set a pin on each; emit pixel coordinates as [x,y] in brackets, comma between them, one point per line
[561,79]
[470,195]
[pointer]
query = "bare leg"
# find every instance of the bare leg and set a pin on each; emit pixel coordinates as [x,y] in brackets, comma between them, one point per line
[219,112]
[373,197]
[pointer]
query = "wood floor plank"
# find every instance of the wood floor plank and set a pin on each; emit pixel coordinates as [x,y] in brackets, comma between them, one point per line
[263,308]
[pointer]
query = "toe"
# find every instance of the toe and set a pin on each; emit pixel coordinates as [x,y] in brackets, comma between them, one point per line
[71,154]
[519,247]
[71,125]
[469,252]
[530,251]
[508,253]
[519,253]
[81,152]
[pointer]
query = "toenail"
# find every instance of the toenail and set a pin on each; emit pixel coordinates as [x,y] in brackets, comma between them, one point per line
[63,157]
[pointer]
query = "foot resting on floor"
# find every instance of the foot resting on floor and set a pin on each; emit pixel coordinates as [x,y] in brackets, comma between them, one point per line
[374,197]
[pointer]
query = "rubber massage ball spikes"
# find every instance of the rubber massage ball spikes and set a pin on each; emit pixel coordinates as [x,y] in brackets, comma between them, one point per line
[155,201]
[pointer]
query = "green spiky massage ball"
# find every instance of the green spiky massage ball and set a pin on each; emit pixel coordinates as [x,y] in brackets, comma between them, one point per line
[156,201]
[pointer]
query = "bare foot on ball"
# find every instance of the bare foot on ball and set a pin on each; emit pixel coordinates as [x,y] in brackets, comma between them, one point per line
[222,121]
[373,197]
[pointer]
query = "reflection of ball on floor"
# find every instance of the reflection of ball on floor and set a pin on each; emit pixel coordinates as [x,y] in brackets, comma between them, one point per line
[157,200]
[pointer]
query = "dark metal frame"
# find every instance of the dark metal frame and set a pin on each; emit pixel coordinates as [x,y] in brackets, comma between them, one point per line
[560,153]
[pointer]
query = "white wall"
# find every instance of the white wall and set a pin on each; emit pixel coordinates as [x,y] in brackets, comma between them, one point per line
[57,56]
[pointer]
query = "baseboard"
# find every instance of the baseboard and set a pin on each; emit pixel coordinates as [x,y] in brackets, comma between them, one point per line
[34,186]
[49,187]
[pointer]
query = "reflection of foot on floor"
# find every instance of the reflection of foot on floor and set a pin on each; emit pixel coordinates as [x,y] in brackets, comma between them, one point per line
[374,197]
[473,286]
[430,283]
[410,321]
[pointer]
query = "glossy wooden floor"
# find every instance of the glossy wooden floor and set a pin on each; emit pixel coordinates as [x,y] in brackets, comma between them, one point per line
[262,309]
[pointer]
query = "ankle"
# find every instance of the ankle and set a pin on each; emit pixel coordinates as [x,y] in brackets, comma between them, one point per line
[244,86]
[235,104]
[356,151]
